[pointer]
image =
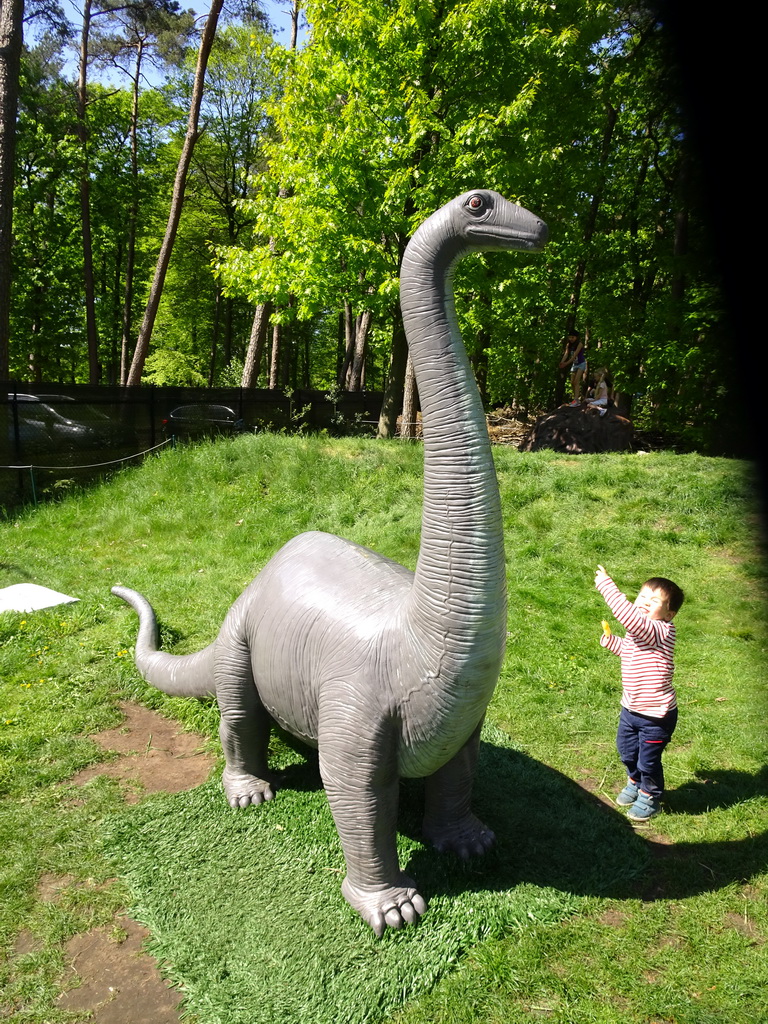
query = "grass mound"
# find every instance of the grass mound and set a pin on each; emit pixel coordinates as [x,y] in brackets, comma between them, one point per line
[245,907]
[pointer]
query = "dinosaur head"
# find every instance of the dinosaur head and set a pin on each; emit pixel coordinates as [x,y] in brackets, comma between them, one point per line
[475,221]
[486,220]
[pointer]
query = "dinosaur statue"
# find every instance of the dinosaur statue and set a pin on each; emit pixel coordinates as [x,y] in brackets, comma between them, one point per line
[387,672]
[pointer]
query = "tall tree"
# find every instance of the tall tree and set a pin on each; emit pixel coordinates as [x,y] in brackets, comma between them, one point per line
[263,311]
[239,85]
[177,198]
[12,15]
[140,34]
[85,194]
[11,38]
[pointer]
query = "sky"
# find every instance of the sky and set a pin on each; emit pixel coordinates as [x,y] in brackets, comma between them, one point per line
[279,14]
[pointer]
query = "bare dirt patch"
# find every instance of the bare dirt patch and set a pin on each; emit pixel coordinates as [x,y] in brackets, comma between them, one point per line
[744,926]
[119,984]
[613,918]
[591,786]
[26,943]
[156,757]
[49,885]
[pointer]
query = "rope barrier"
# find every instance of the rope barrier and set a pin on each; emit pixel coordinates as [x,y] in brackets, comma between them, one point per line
[99,465]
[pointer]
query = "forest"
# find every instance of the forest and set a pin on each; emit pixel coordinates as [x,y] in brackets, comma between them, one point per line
[188,200]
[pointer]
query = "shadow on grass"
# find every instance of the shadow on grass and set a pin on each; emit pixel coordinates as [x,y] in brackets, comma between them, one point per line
[713,789]
[300,776]
[552,833]
[17,570]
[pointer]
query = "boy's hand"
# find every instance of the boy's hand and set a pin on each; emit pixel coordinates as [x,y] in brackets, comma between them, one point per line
[600,576]
[606,627]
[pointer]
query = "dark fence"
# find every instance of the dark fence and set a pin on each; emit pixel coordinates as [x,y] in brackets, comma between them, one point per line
[52,435]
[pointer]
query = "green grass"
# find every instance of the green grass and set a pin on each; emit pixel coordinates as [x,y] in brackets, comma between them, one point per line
[574,917]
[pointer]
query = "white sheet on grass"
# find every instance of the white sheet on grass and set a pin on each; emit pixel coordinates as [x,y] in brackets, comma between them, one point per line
[29,597]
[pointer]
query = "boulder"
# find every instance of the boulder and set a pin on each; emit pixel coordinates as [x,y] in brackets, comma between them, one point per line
[579,429]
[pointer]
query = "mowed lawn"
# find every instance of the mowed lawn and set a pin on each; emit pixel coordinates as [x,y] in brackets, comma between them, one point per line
[576,916]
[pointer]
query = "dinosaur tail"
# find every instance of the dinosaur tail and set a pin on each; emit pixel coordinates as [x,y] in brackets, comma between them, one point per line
[187,675]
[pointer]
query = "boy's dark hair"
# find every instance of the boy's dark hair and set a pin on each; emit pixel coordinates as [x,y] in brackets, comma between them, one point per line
[670,590]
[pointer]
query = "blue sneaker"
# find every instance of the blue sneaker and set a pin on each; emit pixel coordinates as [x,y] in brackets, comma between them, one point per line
[644,808]
[628,795]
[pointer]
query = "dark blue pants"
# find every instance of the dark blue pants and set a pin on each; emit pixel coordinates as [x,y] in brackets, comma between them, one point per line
[641,741]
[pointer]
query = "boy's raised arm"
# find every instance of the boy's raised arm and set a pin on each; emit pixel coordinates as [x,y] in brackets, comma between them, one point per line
[631,618]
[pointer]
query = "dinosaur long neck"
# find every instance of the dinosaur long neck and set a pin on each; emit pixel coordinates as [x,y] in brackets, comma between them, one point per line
[458,600]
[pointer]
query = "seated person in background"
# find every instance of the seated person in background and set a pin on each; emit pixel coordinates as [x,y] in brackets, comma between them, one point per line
[601,392]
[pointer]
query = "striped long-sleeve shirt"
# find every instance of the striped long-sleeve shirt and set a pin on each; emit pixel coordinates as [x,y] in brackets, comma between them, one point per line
[647,656]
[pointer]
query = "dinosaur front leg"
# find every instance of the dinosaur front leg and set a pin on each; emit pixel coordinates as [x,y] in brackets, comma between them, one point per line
[449,823]
[358,764]
[245,726]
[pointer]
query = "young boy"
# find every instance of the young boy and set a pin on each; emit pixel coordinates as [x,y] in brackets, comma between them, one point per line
[648,702]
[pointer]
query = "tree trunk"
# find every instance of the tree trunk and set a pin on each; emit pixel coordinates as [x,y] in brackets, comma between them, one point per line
[11,38]
[410,404]
[85,201]
[177,201]
[255,351]
[115,330]
[589,231]
[214,336]
[286,361]
[591,222]
[274,360]
[349,344]
[362,330]
[393,392]
[295,11]
[227,325]
[125,345]
[480,364]
[307,379]
[678,284]
[479,356]
[339,350]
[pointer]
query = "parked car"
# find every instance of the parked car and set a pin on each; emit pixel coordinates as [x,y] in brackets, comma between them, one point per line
[201,419]
[58,424]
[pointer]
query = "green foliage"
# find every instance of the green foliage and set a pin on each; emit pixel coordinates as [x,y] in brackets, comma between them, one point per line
[167,367]
[393,108]
[194,316]
[389,111]
[47,315]
[231,375]
[315,167]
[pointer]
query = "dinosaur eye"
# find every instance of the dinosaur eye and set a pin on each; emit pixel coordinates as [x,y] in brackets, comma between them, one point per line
[476,203]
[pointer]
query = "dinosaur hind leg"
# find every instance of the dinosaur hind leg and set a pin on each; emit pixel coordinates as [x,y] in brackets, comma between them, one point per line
[449,823]
[245,726]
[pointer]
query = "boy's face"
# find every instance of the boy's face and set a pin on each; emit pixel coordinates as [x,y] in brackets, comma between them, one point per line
[654,604]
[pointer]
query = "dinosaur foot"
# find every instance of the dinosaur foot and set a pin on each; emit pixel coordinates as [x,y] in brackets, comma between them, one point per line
[392,906]
[242,789]
[466,837]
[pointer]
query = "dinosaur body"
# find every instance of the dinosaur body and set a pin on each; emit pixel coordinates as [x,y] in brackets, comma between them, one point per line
[387,672]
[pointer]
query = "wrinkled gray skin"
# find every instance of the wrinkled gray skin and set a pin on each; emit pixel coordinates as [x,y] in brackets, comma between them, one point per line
[387,672]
